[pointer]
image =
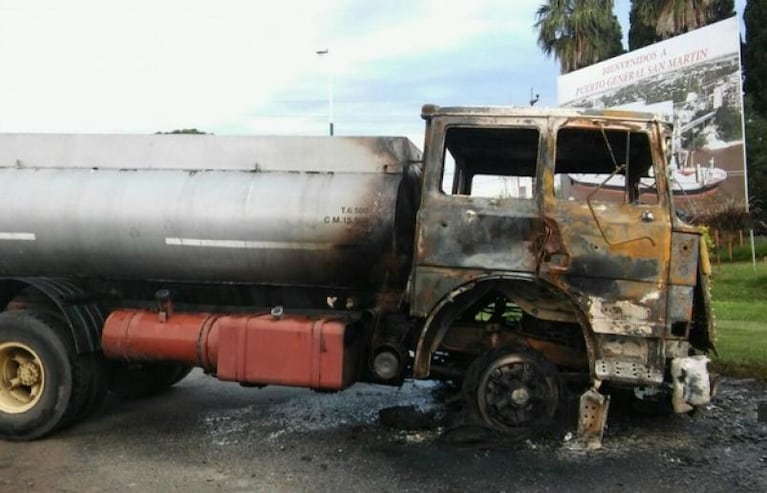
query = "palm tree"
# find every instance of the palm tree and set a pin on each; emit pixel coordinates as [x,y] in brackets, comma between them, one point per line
[673,17]
[578,33]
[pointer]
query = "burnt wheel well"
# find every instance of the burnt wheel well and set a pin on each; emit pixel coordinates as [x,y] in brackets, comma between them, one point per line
[492,313]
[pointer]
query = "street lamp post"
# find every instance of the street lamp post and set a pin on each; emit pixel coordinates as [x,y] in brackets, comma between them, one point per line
[326,51]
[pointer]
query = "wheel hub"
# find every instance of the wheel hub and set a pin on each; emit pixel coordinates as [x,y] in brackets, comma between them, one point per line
[520,396]
[28,373]
[516,390]
[22,378]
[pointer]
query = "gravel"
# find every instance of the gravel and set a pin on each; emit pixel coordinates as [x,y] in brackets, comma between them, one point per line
[211,436]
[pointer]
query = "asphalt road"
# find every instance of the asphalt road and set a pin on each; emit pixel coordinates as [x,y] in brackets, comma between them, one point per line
[205,435]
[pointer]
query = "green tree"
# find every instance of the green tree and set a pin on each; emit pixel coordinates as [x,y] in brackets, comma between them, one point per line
[656,20]
[578,33]
[756,163]
[641,32]
[729,123]
[755,55]
[755,108]
[183,131]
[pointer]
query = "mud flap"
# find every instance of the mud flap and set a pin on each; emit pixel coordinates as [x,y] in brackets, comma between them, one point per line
[592,416]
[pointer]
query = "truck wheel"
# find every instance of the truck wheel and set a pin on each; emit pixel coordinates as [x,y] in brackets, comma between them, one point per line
[183,372]
[39,380]
[98,385]
[512,387]
[138,380]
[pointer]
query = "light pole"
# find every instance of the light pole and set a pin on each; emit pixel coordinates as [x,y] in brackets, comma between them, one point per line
[326,51]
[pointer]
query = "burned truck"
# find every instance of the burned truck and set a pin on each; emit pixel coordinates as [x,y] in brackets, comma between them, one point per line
[319,262]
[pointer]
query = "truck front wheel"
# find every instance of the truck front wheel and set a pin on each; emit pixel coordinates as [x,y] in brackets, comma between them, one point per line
[511,388]
[37,377]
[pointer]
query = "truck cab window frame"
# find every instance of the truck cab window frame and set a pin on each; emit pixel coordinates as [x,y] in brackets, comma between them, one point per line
[494,163]
[613,166]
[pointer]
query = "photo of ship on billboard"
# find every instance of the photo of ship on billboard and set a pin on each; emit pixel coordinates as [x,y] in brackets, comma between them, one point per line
[692,80]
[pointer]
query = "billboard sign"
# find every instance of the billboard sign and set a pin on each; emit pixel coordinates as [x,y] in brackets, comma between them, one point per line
[694,80]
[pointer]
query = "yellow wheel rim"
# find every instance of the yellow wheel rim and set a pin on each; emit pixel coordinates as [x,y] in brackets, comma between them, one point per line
[22,378]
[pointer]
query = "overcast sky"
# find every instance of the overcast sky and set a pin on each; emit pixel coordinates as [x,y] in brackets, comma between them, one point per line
[250,66]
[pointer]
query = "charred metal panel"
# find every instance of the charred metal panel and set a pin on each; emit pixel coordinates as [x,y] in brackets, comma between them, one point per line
[703,331]
[680,311]
[476,233]
[629,371]
[616,262]
[677,349]
[592,417]
[465,237]
[475,338]
[630,359]
[434,283]
[684,258]
[633,348]
[612,243]
[623,307]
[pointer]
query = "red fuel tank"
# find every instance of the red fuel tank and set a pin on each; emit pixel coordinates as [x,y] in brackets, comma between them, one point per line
[254,348]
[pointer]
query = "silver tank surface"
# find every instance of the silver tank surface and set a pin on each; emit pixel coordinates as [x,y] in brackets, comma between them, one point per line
[313,211]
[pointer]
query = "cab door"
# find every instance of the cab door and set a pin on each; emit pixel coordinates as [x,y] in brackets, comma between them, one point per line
[480,208]
[609,238]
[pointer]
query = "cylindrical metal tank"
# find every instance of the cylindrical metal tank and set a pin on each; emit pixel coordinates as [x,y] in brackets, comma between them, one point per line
[309,211]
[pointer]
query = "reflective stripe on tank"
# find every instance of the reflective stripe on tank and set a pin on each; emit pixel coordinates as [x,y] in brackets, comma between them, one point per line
[17,236]
[264,245]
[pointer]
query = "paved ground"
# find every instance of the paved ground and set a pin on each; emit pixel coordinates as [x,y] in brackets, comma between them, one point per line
[210,436]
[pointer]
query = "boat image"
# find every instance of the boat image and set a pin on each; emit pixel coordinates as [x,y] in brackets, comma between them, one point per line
[689,180]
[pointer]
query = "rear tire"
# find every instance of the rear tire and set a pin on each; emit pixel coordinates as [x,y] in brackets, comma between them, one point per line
[41,382]
[183,372]
[139,380]
[98,386]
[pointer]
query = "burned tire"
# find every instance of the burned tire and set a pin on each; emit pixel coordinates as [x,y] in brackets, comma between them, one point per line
[511,388]
[139,380]
[41,381]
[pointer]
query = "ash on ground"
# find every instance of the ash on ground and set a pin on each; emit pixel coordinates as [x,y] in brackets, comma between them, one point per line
[416,413]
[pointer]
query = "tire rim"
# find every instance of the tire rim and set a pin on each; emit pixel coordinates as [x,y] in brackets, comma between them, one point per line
[514,391]
[22,378]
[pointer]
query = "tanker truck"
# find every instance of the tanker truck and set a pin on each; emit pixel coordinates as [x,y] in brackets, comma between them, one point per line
[318,262]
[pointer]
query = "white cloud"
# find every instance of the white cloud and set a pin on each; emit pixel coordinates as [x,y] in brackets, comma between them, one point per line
[250,65]
[91,64]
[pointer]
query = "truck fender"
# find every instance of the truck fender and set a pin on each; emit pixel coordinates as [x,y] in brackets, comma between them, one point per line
[84,318]
[443,313]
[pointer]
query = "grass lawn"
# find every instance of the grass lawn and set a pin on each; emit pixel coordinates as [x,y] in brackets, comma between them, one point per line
[740,306]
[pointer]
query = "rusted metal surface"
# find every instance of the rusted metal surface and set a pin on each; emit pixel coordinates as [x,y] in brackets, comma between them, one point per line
[592,416]
[684,258]
[619,269]
[480,338]
[258,349]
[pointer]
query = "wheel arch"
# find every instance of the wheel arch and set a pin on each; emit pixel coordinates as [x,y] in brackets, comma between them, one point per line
[84,318]
[452,305]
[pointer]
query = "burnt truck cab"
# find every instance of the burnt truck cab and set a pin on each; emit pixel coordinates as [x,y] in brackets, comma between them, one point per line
[519,267]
